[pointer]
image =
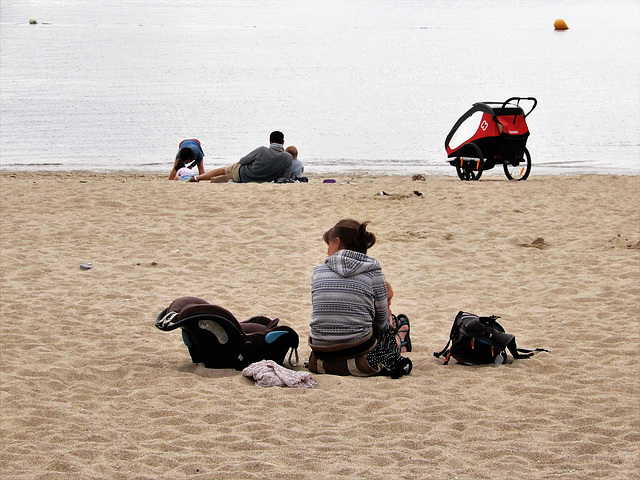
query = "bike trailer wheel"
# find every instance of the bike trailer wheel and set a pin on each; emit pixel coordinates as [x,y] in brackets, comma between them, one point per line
[470,164]
[521,170]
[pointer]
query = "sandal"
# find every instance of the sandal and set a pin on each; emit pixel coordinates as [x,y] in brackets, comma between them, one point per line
[405,340]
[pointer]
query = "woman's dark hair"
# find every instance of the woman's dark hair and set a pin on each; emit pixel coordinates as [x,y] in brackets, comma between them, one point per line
[353,235]
[186,154]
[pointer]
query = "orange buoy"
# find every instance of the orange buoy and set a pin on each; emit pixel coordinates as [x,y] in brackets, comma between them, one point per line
[560,24]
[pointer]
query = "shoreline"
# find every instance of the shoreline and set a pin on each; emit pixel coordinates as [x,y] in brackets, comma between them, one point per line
[436,173]
[91,389]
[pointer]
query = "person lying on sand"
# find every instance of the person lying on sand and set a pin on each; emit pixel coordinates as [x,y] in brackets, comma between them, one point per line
[264,164]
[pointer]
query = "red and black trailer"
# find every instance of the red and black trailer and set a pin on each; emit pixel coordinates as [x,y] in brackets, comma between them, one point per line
[489,134]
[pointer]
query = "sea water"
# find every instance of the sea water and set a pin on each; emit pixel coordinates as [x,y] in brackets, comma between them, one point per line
[357,85]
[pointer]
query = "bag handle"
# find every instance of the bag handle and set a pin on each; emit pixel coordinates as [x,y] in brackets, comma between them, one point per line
[444,351]
[163,321]
[522,353]
[291,352]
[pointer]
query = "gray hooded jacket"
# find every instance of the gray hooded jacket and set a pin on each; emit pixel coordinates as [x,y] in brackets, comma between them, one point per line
[265,164]
[349,298]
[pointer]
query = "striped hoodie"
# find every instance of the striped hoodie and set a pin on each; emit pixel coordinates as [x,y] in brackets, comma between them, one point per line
[349,298]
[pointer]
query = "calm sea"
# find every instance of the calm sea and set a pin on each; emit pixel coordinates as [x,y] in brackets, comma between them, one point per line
[357,85]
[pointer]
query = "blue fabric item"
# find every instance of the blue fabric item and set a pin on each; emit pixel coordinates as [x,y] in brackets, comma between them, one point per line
[186,339]
[273,336]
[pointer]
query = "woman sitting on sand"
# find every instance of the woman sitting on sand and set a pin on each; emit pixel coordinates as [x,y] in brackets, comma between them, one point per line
[350,332]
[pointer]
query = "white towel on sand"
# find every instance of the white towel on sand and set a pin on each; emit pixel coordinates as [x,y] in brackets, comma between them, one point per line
[268,373]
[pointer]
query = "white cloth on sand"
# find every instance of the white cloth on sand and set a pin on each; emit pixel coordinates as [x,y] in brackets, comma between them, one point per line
[268,373]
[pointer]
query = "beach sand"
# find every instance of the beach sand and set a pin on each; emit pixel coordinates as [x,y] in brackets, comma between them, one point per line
[92,390]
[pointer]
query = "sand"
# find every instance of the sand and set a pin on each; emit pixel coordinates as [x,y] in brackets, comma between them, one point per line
[92,390]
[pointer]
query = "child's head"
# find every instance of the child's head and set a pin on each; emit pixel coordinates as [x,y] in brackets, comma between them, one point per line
[292,150]
[178,164]
[352,235]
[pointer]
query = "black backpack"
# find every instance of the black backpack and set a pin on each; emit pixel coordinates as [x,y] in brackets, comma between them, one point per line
[214,336]
[478,340]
